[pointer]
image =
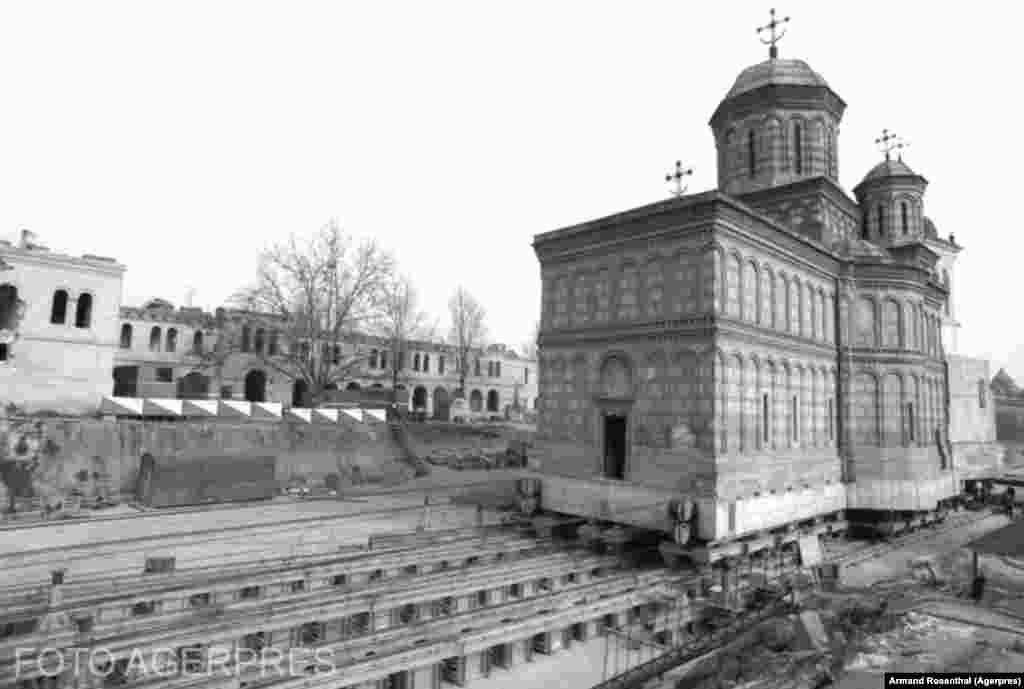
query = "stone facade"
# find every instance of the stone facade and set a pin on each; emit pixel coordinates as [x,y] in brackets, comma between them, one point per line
[58,319]
[748,342]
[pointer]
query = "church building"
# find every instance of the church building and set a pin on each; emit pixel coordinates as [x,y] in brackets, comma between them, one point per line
[772,348]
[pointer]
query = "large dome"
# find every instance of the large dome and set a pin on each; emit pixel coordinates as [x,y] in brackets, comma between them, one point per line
[787,72]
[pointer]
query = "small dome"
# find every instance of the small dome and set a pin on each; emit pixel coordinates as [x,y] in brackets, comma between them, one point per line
[789,72]
[889,168]
[929,229]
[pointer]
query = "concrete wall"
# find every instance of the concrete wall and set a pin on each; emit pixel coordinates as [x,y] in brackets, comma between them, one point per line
[111,450]
[972,409]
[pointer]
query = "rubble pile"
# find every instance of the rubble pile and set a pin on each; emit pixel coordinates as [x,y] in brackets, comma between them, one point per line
[806,651]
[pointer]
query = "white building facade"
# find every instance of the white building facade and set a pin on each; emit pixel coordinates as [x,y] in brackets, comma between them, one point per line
[58,323]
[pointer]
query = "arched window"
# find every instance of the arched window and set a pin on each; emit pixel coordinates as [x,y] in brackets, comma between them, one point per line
[864,233]
[426,363]
[257,341]
[172,339]
[154,339]
[373,358]
[881,220]
[830,153]
[272,344]
[751,154]
[126,336]
[905,217]
[83,313]
[197,342]
[245,338]
[798,149]
[416,362]
[59,310]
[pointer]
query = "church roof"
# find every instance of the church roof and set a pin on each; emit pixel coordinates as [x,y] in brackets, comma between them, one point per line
[889,168]
[776,71]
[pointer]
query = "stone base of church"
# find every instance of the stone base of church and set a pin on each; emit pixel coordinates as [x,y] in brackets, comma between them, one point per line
[720,521]
[918,495]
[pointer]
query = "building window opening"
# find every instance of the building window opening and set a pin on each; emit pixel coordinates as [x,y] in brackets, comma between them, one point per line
[831,420]
[982,400]
[440,365]
[126,336]
[154,339]
[864,232]
[910,422]
[798,149]
[426,363]
[373,358]
[794,414]
[881,221]
[172,339]
[59,311]
[751,154]
[197,342]
[416,362]
[249,593]
[905,217]
[765,428]
[83,312]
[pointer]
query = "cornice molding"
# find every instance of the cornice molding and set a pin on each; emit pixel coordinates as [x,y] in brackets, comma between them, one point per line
[39,258]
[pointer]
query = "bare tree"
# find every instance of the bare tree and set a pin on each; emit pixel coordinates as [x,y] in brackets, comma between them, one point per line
[402,322]
[530,346]
[468,331]
[309,297]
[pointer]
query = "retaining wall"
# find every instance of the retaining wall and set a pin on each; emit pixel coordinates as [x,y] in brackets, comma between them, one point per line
[100,457]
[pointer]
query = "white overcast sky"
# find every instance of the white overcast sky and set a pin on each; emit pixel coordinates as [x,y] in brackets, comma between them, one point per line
[182,137]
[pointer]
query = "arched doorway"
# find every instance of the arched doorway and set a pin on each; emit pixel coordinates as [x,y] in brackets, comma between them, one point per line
[442,404]
[193,386]
[419,398]
[492,401]
[476,401]
[300,393]
[256,386]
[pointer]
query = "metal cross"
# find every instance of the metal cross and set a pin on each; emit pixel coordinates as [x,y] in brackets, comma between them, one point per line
[773,52]
[677,177]
[900,145]
[886,142]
